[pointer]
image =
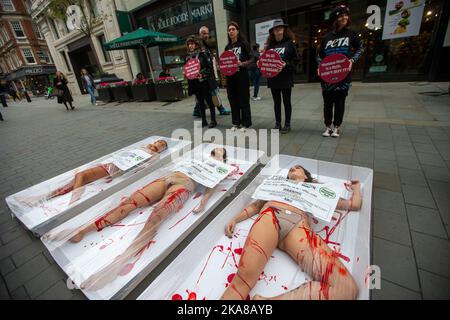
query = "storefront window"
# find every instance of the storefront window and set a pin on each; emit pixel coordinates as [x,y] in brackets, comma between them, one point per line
[405,55]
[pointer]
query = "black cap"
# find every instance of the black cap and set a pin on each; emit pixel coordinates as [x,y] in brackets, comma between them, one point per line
[341,9]
[277,23]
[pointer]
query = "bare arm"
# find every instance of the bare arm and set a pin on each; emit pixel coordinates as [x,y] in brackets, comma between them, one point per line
[355,202]
[245,214]
[208,193]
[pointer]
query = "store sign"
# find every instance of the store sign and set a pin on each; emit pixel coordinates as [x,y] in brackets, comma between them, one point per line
[334,68]
[262,32]
[270,63]
[34,71]
[228,63]
[181,15]
[403,18]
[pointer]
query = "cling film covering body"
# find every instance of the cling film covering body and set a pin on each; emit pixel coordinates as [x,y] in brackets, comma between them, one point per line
[215,266]
[40,204]
[107,249]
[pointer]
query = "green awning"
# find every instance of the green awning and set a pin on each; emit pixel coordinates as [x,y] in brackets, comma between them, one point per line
[140,37]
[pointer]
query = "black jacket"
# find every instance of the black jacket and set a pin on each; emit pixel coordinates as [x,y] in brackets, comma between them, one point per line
[83,81]
[62,85]
[206,70]
[345,42]
[288,53]
[243,52]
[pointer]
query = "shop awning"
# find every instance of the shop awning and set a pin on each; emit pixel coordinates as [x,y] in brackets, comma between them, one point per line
[31,71]
[140,38]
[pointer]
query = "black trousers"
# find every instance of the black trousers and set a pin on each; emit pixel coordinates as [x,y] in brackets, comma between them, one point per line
[202,94]
[334,99]
[276,96]
[238,91]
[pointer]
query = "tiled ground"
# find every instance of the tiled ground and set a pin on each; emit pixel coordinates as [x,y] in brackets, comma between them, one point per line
[403,135]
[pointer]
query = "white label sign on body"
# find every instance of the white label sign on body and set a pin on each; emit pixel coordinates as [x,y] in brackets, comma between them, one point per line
[126,160]
[208,173]
[318,199]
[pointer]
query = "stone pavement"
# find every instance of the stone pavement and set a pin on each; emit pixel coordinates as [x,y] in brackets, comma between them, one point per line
[391,127]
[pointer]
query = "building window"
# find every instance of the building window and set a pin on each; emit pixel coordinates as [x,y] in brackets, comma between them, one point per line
[17,27]
[55,28]
[7,5]
[93,7]
[28,5]
[106,54]
[37,31]
[44,56]
[4,33]
[66,62]
[28,54]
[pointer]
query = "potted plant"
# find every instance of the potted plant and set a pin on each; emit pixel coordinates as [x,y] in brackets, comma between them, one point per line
[104,92]
[169,89]
[121,91]
[143,90]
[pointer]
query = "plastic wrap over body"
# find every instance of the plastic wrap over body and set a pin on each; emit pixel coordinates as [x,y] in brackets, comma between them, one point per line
[93,255]
[49,203]
[207,266]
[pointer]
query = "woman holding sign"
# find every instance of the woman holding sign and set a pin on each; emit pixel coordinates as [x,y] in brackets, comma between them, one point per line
[281,41]
[336,81]
[200,74]
[285,226]
[167,195]
[238,83]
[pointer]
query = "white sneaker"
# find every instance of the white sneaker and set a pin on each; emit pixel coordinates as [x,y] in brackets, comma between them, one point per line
[258,98]
[255,98]
[335,133]
[234,128]
[96,104]
[243,129]
[327,132]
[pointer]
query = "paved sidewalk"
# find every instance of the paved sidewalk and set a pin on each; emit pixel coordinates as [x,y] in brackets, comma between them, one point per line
[391,127]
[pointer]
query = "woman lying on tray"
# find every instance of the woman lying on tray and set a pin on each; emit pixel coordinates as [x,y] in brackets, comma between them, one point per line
[86,176]
[287,228]
[168,194]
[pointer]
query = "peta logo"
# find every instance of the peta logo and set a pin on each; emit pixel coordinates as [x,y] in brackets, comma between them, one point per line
[341,42]
[237,51]
[280,51]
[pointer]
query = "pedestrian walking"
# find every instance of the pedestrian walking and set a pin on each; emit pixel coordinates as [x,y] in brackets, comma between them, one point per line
[62,90]
[88,85]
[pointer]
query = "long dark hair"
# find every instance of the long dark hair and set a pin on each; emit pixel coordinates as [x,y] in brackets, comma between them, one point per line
[308,175]
[240,36]
[335,24]
[287,35]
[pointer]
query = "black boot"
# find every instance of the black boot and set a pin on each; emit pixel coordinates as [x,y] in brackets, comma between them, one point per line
[277,126]
[213,124]
[286,128]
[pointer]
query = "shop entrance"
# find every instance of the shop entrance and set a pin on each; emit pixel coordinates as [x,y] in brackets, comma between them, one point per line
[83,58]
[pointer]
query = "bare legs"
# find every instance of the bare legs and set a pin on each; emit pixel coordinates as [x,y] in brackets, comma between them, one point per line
[261,242]
[81,179]
[173,200]
[143,197]
[330,278]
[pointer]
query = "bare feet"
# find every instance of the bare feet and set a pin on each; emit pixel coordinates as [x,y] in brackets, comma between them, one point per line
[76,195]
[73,235]
[101,278]
[31,201]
